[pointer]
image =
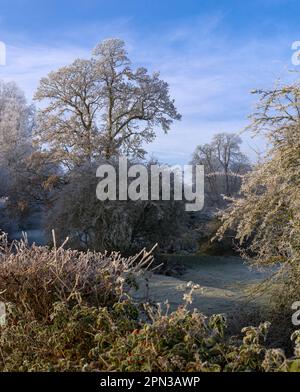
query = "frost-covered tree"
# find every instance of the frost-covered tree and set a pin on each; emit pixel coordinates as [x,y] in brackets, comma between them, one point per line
[16,121]
[26,173]
[266,216]
[224,165]
[101,107]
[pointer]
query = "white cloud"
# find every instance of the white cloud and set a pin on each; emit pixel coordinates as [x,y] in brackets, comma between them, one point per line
[27,64]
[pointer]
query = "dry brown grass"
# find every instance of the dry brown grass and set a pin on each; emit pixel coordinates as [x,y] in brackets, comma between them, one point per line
[36,277]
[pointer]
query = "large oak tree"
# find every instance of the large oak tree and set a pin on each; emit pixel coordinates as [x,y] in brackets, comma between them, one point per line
[102,107]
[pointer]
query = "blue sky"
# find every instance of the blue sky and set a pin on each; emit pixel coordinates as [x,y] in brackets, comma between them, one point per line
[212,53]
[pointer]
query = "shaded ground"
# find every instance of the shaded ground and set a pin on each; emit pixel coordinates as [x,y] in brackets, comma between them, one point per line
[224,282]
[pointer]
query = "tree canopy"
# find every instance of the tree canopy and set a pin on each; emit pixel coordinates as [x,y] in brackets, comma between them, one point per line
[102,107]
[224,166]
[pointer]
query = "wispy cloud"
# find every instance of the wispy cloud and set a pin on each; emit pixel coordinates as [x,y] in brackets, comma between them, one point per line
[27,64]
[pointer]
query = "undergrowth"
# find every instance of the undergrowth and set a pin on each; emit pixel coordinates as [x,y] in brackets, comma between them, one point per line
[71,311]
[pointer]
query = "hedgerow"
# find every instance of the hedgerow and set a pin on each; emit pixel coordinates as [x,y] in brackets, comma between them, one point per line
[71,311]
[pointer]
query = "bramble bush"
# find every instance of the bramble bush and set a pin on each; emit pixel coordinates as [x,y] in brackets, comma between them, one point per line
[71,311]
